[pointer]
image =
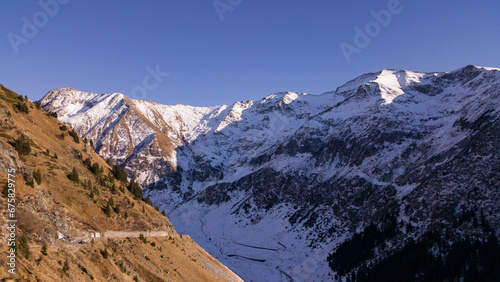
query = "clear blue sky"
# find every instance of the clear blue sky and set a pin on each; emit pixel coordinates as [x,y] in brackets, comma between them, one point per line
[258,48]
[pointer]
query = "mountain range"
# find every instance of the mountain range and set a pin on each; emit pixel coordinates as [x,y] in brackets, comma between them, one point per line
[70,216]
[280,188]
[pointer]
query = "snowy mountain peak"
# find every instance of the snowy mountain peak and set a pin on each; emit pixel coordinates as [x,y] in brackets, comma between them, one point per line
[391,83]
[284,97]
[234,114]
[387,84]
[69,102]
[297,173]
[398,78]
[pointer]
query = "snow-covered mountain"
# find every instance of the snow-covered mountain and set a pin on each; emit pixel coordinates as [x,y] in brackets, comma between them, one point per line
[272,187]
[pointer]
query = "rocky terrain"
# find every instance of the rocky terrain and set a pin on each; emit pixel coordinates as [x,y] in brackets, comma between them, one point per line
[282,187]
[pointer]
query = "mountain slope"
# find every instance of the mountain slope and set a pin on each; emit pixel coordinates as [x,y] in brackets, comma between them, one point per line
[64,193]
[297,173]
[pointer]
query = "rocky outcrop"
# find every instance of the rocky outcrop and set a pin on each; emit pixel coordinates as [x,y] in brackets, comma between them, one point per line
[9,159]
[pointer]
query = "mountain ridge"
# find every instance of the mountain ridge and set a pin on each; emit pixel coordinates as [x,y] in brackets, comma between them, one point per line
[72,213]
[310,164]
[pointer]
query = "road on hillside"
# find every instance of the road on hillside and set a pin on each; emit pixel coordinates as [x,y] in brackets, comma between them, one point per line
[112,235]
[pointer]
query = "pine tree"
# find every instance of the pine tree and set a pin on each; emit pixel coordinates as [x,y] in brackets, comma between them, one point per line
[73,134]
[21,107]
[65,266]
[148,201]
[135,189]
[37,175]
[96,169]
[122,267]
[107,209]
[87,184]
[73,176]
[44,249]
[142,238]
[119,173]
[113,188]
[110,202]
[24,247]
[22,145]
[104,253]
[88,163]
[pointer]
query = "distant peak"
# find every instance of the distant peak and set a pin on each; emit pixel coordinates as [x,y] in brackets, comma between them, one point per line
[470,68]
[286,96]
[65,89]
[392,78]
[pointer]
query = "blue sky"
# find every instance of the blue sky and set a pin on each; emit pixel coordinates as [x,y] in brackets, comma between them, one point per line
[222,51]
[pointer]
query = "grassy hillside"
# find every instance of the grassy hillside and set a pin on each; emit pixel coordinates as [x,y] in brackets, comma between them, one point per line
[64,191]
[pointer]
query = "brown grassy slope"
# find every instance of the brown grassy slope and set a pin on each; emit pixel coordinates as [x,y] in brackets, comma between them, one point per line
[177,258]
[59,205]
